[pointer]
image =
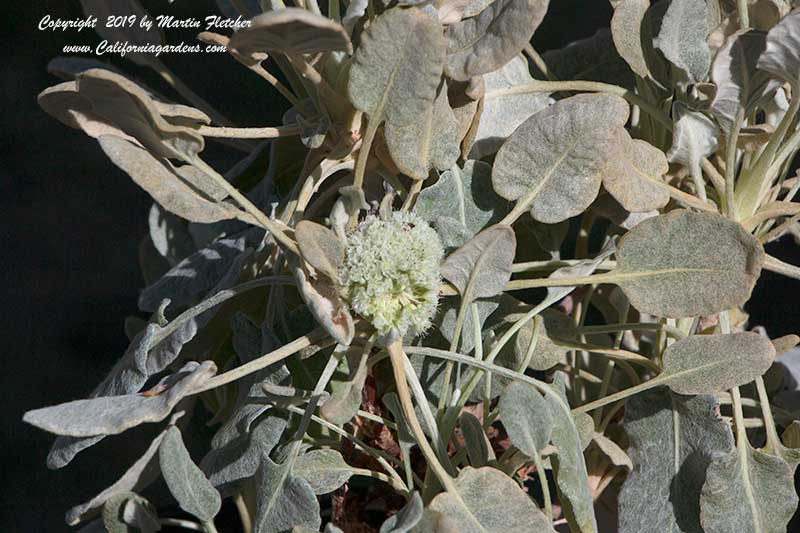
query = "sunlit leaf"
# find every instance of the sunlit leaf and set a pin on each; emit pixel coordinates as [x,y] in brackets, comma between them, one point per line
[291,30]
[320,247]
[324,470]
[634,175]
[626,30]
[489,501]
[548,353]
[283,499]
[486,42]
[695,136]
[481,267]
[345,398]
[688,264]
[327,306]
[554,162]
[682,39]
[526,417]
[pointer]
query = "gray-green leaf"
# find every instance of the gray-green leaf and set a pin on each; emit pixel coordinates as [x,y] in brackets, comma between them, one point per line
[320,247]
[633,176]
[397,68]
[489,501]
[554,162]
[283,499]
[682,39]
[704,364]
[481,268]
[185,480]
[324,470]
[475,439]
[406,518]
[781,58]
[488,41]
[526,417]
[688,264]
[626,30]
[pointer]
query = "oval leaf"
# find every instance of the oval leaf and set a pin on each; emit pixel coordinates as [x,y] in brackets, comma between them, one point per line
[481,268]
[634,175]
[324,470]
[554,162]
[688,264]
[626,30]
[320,247]
[526,417]
[682,39]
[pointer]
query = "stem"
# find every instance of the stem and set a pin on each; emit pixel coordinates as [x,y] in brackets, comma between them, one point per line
[632,326]
[531,266]
[730,163]
[539,62]
[179,522]
[542,473]
[244,513]
[397,356]
[744,15]
[251,133]
[776,265]
[264,361]
[209,527]
[773,441]
[363,154]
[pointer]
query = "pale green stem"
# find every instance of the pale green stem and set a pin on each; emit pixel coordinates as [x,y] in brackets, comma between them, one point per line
[773,441]
[251,133]
[542,474]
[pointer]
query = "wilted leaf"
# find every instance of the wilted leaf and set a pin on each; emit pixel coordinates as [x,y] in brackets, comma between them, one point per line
[486,42]
[283,499]
[320,247]
[134,34]
[626,30]
[429,142]
[290,30]
[673,439]
[634,174]
[397,67]
[161,181]
[527,418]
[461,203]
[682,39]
[739,83]
[185,480]
[109,415]
[688,264]
[554,162]
[327,307]
[781,58]
[481,267]
[324,470]
[406,518]
[704,364]
[695,136]
[748,491]
[475,439]
[489,501]
[572,478]
[503,110]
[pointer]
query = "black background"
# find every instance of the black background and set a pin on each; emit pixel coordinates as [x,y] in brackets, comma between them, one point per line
[71,224]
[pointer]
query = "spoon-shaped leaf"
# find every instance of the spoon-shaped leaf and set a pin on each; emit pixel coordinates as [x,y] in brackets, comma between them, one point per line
[488,41]
[324,470]
[703,364]
[291,30]
[633,176]
[397,67]
[554,162]
[489,501]
[687,264]
[481,268]
[626,30]
[185,480]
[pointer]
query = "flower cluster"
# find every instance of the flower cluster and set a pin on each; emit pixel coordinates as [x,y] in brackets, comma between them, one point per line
[390,274]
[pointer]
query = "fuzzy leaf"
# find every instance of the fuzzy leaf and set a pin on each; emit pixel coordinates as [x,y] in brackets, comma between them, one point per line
[673,439]
[461,203]
[429,142]
[283,499]
[554,162]
[406,518]
[666,272]
[327,307]
[489,501]
[704,364]
[634,175]
[568,463]
[320,247]
[548,353]
[739,83]
[613,451]
[594,58]
[503,111]
[110,415]
[161,181]
[626,30]
[345,398]
[481,268]
[781,58]
[695,137]
[486,42]
[291,30]
[748,491]
[185,480]
[397,68]
[324,470]
[682,39]
[526,417]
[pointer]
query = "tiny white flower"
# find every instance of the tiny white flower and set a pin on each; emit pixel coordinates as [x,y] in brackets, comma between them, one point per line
[390,274]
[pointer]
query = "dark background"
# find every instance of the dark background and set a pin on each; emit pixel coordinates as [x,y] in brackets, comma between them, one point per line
[71,224]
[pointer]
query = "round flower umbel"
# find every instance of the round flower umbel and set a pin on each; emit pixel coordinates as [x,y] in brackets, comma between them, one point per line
[390,274]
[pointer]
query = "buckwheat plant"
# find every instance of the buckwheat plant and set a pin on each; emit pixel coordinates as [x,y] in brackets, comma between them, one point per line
[353,307]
